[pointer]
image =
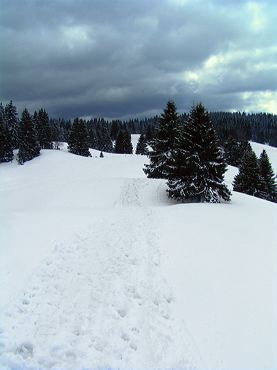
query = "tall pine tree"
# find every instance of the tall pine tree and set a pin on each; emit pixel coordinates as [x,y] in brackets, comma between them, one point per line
[268,184]
[123,144]
[28,143]
[11,118]
[78,139]
[43,129]
[163,145]
[232,152]
[104,141]
[198,165]
[248,180]
[142,145]
[6,147]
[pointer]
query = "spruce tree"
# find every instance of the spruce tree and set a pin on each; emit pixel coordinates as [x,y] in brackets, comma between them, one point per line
[123,144]
[268,184]
[28,144]
[119,143]
[6,147]
[232,152]
[114,130]
[164,144]
[104,141]
[248,180]
[78,139]
[11,119]
[198,166]
[142,145]
[43,129]
[244,146]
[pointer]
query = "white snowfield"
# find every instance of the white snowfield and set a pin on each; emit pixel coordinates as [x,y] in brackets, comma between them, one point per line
[99,269]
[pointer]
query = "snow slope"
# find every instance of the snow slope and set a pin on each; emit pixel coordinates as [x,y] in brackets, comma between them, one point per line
[99,269]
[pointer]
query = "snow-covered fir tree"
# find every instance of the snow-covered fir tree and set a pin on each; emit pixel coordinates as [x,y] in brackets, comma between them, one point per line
[115,127]
[268,184]
[104,141]
[27,139]
[6,147]
[248,180]
[99,135]
[142,145]
[163,144]
[11,118]
[43,129]
[123,144]
[198,166]
[232,152]
[78,139]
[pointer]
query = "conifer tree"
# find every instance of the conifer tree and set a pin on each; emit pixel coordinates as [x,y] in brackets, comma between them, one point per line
[123,144]
[244,146]
[149,133]
[114,130]
[101,155]
[6,148]
[142,145]
[11,119]
[92,137]
[119,143]
[232,152]
[198,165]
[164,144]
[43,129]
[78,139]
[268,184]
[248,180]
[128,142]
[28,143]
[104,142]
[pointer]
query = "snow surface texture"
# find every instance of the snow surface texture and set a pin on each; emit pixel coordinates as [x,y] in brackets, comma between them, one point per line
[99,269]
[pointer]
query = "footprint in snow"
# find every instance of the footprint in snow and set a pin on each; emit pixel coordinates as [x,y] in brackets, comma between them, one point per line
[26,350]
[133,346]
[122,312]
[125,337]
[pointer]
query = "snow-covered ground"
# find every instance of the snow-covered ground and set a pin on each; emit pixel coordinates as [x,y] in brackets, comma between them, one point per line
[99,269]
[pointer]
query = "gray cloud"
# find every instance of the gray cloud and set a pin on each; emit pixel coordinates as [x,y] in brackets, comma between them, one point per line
[126,57]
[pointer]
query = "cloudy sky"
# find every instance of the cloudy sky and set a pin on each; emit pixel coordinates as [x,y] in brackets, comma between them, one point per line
[122,58]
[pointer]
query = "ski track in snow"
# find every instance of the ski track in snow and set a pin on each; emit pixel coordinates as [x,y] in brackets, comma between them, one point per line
[108,280]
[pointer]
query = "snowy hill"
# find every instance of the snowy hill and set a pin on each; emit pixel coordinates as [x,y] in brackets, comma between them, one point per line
[99,269]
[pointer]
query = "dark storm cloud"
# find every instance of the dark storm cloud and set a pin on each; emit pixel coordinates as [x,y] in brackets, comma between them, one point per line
[123,57]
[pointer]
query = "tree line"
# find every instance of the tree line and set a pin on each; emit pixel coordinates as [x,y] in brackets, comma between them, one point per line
[31,133]
[167,135]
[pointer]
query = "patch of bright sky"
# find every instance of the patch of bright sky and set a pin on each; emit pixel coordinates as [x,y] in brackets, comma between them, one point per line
[178,2]
[75,36]
[265,101]
[257,15]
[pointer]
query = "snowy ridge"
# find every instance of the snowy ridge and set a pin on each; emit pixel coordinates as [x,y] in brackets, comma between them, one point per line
[104,271]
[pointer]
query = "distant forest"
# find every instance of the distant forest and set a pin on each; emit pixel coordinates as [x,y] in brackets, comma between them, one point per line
[257,127]
[44,132]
